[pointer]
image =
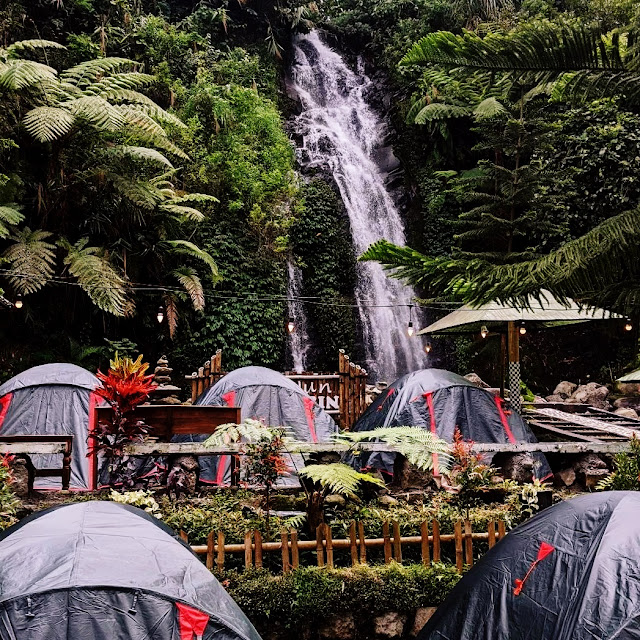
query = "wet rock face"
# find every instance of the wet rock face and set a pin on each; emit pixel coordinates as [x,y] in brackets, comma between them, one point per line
[389,625]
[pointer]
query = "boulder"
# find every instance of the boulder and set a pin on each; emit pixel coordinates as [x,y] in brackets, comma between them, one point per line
[341,627]
[423,615]
[565,389]
[335,500]
[565,478]
[387,500]
[515,466]
[593,394]
[628,388]
[627,403]
[627,413]
[389,625]
[590,468]
[477,380]
[556,398]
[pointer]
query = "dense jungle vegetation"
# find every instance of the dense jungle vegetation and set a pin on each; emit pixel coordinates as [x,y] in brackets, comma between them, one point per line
[145,162]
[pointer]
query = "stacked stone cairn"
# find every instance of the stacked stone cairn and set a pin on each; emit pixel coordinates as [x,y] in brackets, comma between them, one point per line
[165,393]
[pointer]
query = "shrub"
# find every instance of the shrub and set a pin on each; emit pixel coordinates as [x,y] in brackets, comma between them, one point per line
[8,500]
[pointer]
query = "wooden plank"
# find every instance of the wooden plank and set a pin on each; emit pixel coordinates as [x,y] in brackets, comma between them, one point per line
[457,531]
[424,534]
[491,530]
[220,557]
[319,546]
[248,556]
[257,536]
[353,546]
[387,542]
[34,448]
[501,529]
[284,538]
[210,551]
[295,553]
[468,542]
[328,536]
[397,543]
[435,527]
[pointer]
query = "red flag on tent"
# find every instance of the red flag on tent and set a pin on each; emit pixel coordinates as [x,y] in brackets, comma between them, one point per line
[544,550]
[192,622]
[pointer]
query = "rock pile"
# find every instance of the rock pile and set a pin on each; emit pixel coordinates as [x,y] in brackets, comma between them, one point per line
[165,393]
[372,391]
[593,394]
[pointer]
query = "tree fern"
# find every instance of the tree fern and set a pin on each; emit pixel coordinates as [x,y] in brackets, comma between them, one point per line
[189,248]
[249,431]
[17,49]
[16,75]
[97,276]
[416,444]
[339,478]
[141,154]
[189,279]
[31,258]
[89,71]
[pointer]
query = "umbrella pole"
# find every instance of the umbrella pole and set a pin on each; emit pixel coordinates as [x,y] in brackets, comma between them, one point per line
[515,399]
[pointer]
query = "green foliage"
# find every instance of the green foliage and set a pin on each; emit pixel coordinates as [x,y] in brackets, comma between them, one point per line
[142,499]
[338,478]
[322,247]
[8,500]
[417,445]
[626,473]
[309,596]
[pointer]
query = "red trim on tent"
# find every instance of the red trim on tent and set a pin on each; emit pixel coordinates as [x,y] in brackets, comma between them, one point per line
[429,398]
[309,405]
[5,401]
[389,394]
[230,400]
[94,401]
[503,418]
[193,622]
[544,550]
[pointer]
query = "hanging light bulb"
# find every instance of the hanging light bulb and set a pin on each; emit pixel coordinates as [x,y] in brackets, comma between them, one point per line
[18,303]
[410,329]
[627,325]
[522,329]
[484,332]
[291,325]
[160,314]
[427,347]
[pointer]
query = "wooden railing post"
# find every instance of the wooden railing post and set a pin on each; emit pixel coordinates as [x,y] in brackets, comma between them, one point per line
[319,546]
[424,534]
[353,544]
[284,537]
[220,556]
[387,542]
[210,550]
[363,544]
[248,556]
[342,389]
[435,527]
[328,536]
[397,543]
[501,530]
[468,541]
[295,554]
[457,531]
[491,531]
[258,538]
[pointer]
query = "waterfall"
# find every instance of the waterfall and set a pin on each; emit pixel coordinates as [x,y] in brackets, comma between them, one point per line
[341,132]
[299,339]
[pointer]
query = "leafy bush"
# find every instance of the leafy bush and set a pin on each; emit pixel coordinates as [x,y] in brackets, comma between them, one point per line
[626,474]
[142,499]
[311,595]
[8,500]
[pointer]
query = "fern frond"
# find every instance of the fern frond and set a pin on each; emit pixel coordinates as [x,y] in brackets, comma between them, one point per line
[10,215]
[189,279]
[249,431]
[142,154]
[339,478]
[47,124]
[489,108]
[90,70]
[32,259]
[440,111]
[188,213]
[97,276]
[111,86]
[16,75]
[16,49]
[96,111]
[171,308]
[189,248]
[194,197]
[416,444]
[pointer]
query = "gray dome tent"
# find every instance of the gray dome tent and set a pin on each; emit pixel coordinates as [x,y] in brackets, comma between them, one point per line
[269,396]
[107,571]
[569,573]
[52,399]
[442,401]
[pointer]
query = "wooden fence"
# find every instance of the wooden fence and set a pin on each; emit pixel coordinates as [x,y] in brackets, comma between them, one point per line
[342,394]
[289,547]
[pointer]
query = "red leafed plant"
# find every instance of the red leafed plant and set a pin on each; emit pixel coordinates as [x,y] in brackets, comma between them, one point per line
[124,387]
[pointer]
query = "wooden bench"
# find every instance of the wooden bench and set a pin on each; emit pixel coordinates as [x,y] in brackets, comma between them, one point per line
[168,420]
[29,445]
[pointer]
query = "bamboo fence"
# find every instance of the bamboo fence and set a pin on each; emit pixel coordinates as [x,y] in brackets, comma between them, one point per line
[289,547]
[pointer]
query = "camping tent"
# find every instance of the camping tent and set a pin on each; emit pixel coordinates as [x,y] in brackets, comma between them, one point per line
[569,573]
[107,571]
[268,396]
[440,401]
[52,399]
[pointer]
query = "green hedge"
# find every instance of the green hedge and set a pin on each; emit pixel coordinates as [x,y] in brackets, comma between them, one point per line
[310,596]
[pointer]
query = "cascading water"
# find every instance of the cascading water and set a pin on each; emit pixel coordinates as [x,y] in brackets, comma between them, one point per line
[340,131]
[299,338]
